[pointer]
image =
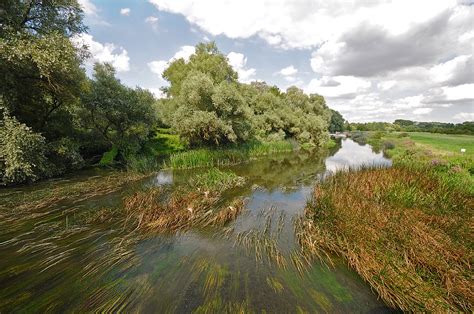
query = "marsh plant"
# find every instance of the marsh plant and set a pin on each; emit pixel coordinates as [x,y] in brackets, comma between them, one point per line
[405,231]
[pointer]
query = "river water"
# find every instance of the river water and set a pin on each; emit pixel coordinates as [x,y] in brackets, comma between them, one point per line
[51,263]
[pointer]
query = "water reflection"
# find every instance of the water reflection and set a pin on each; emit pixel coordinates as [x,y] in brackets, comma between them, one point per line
[95,269]
[352,154]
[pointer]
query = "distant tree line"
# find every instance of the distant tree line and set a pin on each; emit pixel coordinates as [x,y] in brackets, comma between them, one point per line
[414,126]
[54,119]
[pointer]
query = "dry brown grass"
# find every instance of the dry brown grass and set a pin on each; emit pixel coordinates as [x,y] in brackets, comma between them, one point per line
[405,232]
[152,210]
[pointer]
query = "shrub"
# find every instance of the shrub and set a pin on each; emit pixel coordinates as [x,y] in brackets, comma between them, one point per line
[22,152]
[388,145]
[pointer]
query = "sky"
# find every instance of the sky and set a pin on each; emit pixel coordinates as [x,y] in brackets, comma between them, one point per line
[372,60]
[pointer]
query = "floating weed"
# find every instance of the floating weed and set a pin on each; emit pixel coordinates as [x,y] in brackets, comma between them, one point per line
[150,210]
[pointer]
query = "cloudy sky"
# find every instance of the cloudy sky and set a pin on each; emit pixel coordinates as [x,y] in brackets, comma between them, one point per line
[373,60]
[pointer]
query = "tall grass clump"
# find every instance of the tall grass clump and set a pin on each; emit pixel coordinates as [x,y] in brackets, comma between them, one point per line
[405,231]
[143,164]
[153,211]
[226,156]
[215,179]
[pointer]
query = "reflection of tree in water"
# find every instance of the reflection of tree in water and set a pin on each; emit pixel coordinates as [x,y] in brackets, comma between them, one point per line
[286,171]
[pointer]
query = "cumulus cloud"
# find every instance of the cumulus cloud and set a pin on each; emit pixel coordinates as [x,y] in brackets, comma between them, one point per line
[303,23]
[92,13]
[88,7]
[371,59]
[159,66]
[238,61]
[153,21]
[288,71]
[125,11]
[338,86]
[108,52]
[464,116]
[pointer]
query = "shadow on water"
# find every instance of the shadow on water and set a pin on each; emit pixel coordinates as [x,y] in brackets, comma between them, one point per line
[53,263]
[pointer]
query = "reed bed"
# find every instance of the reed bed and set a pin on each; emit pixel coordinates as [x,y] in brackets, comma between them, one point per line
[153,211]
[405,231]
[226,156]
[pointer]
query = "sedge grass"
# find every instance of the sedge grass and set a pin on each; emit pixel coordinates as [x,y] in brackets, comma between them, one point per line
[226,156]
[404,230]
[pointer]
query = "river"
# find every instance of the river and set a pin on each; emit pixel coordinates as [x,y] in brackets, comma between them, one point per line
[49,262]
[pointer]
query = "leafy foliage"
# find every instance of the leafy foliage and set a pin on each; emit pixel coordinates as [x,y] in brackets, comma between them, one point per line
[209,107]
[121,116]
[21,151]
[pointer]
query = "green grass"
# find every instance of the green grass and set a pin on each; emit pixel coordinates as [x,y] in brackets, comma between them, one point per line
[109,157]
[226,156]
[447,143]
[164,142]
[215,179]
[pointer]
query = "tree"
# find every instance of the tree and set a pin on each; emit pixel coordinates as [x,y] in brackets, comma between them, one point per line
[337,122]
[22,151]
[121,116]
[207,59]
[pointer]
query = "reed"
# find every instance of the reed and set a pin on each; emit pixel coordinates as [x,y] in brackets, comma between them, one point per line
[404,230]
[153,211]
[215,179]
[226,156]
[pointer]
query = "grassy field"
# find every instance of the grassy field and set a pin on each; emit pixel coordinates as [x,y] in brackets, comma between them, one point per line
[406,230]
[444,143]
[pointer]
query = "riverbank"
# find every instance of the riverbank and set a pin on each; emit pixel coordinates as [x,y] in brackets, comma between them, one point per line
[405,229]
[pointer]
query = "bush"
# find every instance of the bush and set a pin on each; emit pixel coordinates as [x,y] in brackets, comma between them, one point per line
[388,145]
[22,152]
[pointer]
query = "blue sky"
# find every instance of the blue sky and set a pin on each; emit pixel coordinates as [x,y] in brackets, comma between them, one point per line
[377,60]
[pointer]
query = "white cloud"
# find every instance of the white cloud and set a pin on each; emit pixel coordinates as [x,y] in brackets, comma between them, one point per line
[108,52]
[386,85]
[238,61]
[88,7]
[301,24]
[288,71]
[92,13]
[338,86]
[374,60]
[464,116]
[125,11]
[422,111]
[159,66]
[153,21]
[184,52]
[455,71]
[465,91]
[158,93]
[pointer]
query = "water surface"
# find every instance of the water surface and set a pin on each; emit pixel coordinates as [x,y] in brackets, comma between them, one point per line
[51,260]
